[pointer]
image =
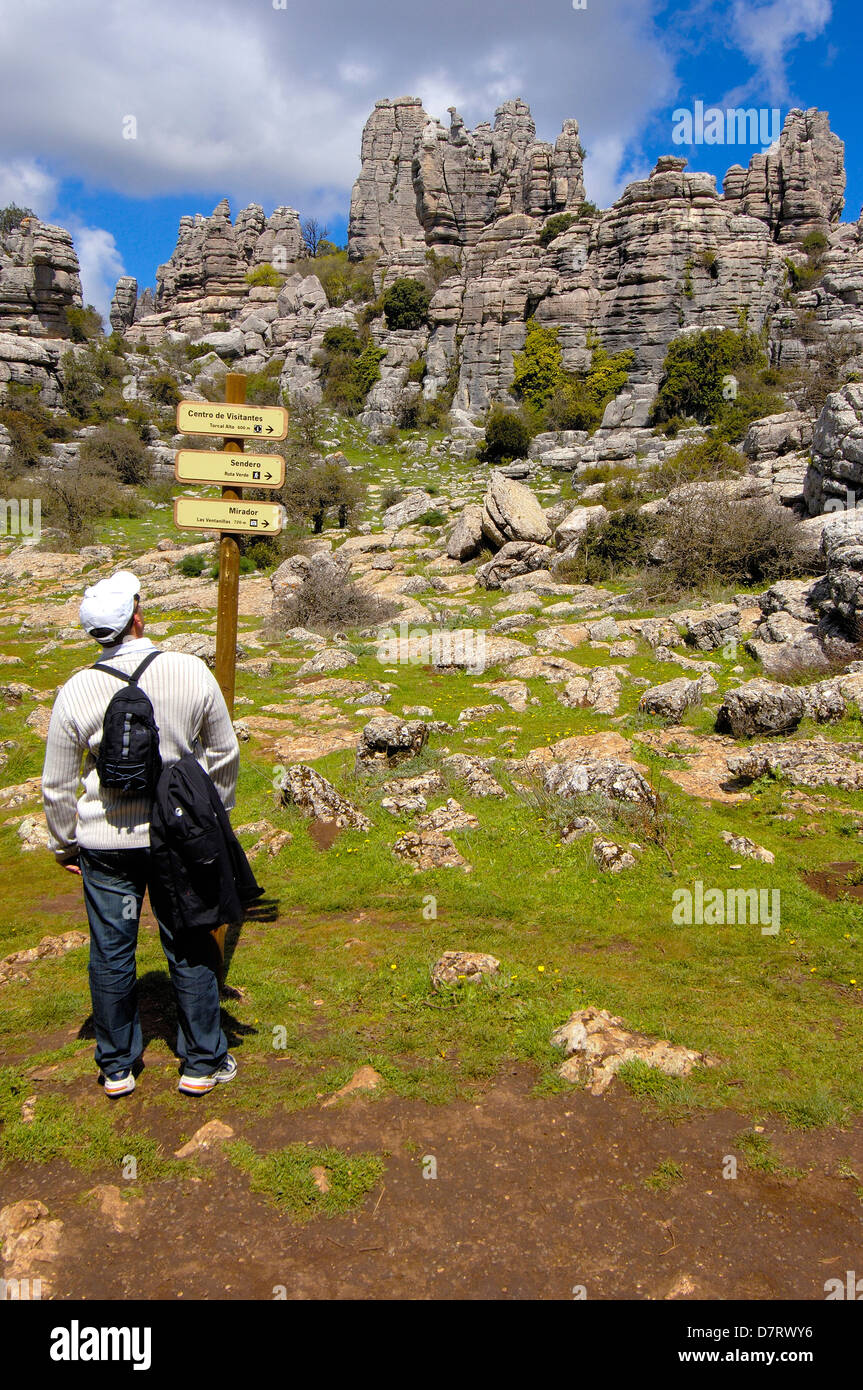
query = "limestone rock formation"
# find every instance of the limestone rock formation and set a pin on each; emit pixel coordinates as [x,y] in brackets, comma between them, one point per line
[124,303]
[39,280]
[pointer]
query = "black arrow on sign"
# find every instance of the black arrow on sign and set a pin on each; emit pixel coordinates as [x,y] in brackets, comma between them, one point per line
[265,523]
[269,475]
[269,429]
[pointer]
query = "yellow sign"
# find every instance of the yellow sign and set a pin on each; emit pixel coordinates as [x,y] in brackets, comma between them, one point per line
[231,470]
[233,421]
[222,514]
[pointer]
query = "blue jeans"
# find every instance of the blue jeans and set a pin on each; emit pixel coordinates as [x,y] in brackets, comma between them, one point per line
[114,885]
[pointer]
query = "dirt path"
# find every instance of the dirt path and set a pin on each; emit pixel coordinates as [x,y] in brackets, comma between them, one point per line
[532,1198]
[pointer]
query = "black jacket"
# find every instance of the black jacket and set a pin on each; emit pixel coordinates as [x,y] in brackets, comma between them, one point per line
[196,858]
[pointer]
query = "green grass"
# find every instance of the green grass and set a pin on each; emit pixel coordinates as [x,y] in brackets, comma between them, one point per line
[667,1174]
[85,1136]
[761,1156]
[285,1177]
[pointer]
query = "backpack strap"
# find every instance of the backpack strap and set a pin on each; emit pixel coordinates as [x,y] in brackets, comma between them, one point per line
[122,675]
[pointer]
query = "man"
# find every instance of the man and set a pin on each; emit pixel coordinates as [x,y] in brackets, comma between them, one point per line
[104,835]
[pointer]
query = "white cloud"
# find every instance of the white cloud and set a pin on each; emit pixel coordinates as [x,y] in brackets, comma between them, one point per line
[25,182]
[101,265]
[766,32]
[267,104]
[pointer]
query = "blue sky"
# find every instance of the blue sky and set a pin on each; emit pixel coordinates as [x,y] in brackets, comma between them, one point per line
[265,100]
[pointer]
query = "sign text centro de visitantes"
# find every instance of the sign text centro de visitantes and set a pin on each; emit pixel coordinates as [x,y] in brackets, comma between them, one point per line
[224,514]
[232,421]
[231,470]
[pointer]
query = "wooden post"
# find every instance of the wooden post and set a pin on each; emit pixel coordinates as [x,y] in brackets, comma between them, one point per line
[229,567]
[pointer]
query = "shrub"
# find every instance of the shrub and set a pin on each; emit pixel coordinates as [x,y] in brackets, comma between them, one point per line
[118,450]
[329,601]
[349,368]
[587,209]
[555,226]
[694,370]
[31,426]
[578,403]
[91,382]
[440,268]
[342,279]
[72,499]
[164,389]
[405,304]
[314,490]
[391,495]
[262,388]
[432,518]
[84,324]
[538,368]
[507,436]
[417,370]
[696,461]
[266,275]
[618,544]
[192,566]
[710,539]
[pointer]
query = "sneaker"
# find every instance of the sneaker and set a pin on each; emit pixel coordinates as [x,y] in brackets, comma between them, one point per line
[200,1085]
[122,1085]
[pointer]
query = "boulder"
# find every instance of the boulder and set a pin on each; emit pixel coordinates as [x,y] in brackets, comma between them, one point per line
[760,707]
[513,558]
[465,539]
[301,786]
[511,512]
[387,741]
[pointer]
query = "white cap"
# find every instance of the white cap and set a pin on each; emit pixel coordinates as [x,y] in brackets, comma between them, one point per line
[107,607]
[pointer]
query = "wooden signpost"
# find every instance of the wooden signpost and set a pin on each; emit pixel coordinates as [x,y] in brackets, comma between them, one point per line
[235,422]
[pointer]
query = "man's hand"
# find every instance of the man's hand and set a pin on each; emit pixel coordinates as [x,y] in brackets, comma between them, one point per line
[72,869]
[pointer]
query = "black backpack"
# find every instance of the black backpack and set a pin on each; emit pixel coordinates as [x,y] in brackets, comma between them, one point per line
[129,760]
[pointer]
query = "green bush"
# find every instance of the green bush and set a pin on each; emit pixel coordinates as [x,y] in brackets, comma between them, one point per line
[262,388]
[349,367]
[32,428]
[507,436]
[265,275]
[538,368]
[621,543]
[312,491]
[118,449]
[554,226]
[417,370]
[164,389]
[91,382]
[192,566]
[84,324]
[405,304]
[694,370]
[578,402]
[343,280]
[696,461]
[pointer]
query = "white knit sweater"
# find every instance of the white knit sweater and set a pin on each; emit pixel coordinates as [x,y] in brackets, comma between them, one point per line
[192,717]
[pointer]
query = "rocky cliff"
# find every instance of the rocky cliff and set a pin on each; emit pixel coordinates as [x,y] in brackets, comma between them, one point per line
[673,253]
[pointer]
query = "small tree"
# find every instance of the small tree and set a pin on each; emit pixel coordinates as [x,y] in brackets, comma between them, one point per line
[406,303]
[507,436]
[117,450]
[12,216]
[84,324]
[313,232]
